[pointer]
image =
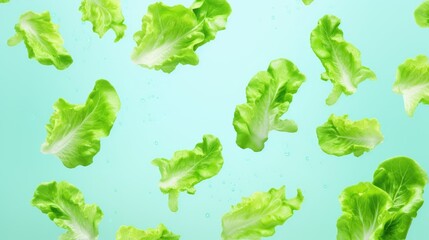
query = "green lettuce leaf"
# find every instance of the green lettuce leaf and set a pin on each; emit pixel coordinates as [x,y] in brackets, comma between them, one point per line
[258,215]
[65,206]
[74,131]
[132,233]
[340,136]
[404,180]
[269,95]
[170,35]
[189,167]
[104,15]
[307,2]
[340,59]
[42,39]
[421,14]
[412,81]
[4,1]
[365,211]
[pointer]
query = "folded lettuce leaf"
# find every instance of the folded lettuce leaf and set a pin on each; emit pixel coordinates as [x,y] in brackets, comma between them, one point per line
[65,206]
[412,81]
[132,233]
[170,35]
[104,15]
[42,39]
[269,95]
[340,136]
[307,2]
[258,215]
[340,59]
[189,167]
[421,14]
[74,130]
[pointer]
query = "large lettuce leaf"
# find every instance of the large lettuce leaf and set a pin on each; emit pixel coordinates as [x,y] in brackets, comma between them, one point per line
[42,39]
[74,131]
[269,95]
[341,59]
[340,136]
[189,167]
[365,211]
[170,35]
[421,14]
[132,233]
[104,15]
[412,81]
[258,215]
[65,206]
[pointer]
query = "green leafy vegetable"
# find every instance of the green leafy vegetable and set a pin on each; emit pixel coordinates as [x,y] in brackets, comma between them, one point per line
[189,167]
[132,233]
[340,59]
[65,206]
[269,95]
[170,35]
[340,136]
[42,39]
[258,215]
[383,210]
[4,1]
[74,131]
[104,15]
[307,2]
[412,81]
[421,14]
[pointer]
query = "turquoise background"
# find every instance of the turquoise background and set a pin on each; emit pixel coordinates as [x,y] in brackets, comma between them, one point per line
[162,113]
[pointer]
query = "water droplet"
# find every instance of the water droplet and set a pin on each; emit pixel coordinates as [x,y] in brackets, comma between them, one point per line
[307,158]
[207,215]
[156,143]
[287,154]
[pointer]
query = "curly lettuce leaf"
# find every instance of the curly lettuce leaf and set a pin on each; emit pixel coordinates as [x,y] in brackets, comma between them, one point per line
[421,14]
[132,233]
[258,215]
[412,81]
[269,95]
[65,206]
[74,131]
[340,136]
[340,59]
[404,180]
[189,167]
[104,15]
[170,35]
[307,2]
[42,39]
[365,212]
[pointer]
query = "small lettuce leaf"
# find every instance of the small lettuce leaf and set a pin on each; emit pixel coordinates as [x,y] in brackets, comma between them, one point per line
[307,2]
[170,35]
[189,167]
[404,180]
[340,136]
[365,211]
[258,215]
[412,81]
[74,131]
[65,206]
[104,15]
[340,59]
[269,95]
[132,233]
[42,39]
[421,14]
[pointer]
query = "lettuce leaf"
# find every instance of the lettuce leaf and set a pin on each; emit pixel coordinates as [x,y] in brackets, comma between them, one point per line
[412,81]
[65,206]
[340,59]
[421,14]
[307,2]
[4,1]
[170,35]
[269,95]
[74,131]
[132,233]
[340,136]
[189,167]
[258,215]
[365,211]
[104,15]
[42,39]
